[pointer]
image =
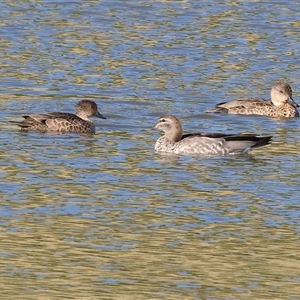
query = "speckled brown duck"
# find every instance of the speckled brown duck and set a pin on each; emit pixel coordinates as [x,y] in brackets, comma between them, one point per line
[207,144]
[281,104]
[63,122]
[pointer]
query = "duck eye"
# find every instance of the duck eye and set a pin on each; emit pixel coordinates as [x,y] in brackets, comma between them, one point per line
[163,120]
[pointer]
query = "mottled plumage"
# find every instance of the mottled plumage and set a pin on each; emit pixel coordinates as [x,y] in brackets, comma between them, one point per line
[174,142]
[280,105]
[63,122]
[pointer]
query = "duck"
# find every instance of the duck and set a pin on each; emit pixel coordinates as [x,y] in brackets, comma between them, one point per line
[207,144]
[63,122]
[281,104]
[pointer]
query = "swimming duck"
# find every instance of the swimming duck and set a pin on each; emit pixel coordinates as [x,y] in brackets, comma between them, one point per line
[63,122]
[174,142]
[281,104]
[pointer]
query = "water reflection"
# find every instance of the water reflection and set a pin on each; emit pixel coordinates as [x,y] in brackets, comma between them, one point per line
[103,216]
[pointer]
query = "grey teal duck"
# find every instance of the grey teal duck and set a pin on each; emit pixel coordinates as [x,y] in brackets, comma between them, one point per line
[63,122]
[281,104]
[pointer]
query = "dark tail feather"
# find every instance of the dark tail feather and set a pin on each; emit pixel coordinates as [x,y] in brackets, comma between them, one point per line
[265,140]
[20,124]
[217,109]
[16,122]
[246,142]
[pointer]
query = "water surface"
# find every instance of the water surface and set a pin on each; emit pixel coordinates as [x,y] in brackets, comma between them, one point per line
[104,217]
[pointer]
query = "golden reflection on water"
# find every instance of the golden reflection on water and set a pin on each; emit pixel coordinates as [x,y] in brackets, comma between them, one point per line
[102,216]
[64,256]
[75,231]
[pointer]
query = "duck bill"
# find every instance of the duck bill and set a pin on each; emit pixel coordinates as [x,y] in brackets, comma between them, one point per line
[155,126]
[292,102]
[97,114]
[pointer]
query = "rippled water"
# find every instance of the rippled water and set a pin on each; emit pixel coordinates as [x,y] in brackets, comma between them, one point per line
[104,217]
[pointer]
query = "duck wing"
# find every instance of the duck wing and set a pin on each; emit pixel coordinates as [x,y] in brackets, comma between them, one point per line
[240,103]
[234,143]
[215,135]
[44,122]
[42,118]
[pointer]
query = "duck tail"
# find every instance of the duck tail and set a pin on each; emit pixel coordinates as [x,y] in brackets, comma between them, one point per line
[263,140]
[21,124]
[217,109]
[246,142]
